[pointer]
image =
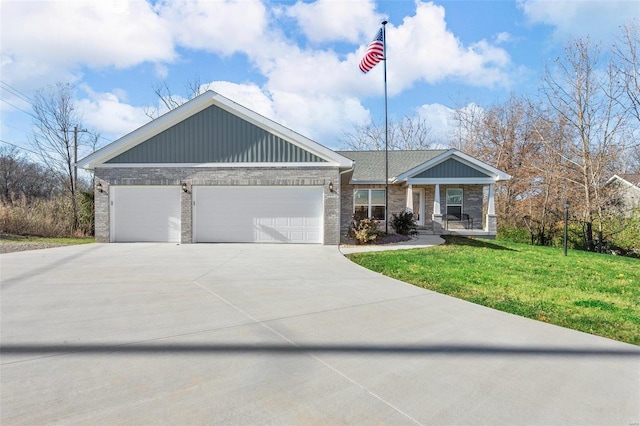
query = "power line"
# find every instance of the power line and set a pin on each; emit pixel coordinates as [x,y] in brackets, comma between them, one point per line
[18,108]
[20,147]
[26,132]
[108,140]
[9,88]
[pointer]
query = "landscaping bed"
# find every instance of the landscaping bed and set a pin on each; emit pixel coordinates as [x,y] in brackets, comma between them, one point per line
[347,241]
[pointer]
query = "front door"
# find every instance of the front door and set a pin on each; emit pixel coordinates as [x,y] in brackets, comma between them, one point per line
[418,206]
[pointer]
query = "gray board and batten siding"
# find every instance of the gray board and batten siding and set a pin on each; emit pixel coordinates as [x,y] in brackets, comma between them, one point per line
[451,169]
[214,135]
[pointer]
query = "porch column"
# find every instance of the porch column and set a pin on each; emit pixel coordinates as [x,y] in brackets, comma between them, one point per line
[409,206]
[491,224]
[437,214]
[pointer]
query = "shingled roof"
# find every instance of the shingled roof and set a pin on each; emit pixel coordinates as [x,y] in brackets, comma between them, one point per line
[633,179]
[369,165]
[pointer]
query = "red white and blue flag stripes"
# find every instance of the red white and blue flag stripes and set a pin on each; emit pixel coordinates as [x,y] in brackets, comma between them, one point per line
[374,53]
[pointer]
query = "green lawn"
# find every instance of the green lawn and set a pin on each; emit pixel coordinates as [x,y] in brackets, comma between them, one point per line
[30,239]
[595,293]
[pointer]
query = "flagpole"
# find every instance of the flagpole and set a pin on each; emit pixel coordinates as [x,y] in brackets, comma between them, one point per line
[386,131]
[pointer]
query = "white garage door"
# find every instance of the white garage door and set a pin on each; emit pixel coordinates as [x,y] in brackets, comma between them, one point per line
[258,214]
[145,213]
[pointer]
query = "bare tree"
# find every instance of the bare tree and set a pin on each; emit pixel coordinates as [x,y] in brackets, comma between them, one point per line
[548,189]
[505,135]
[21,177]
[409,133]
[169,101]
[57,135]
[365,137]
[583,95]
[627,65]
[468,121]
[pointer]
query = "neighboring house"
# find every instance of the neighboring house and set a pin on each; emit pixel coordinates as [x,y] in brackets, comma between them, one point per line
[212,170]
[626,192]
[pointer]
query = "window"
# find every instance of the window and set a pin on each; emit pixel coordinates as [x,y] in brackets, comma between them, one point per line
[369,203]
[454,203]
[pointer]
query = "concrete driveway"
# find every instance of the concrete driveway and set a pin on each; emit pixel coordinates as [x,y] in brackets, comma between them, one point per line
[275,334]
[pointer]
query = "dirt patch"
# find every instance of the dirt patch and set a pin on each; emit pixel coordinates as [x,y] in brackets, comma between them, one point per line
[11,246]
[13,243]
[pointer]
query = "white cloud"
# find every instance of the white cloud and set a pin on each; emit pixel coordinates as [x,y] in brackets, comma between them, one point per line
[313,91]
[420,49]
[330,20]
[423,49]
[322,118]
[161,71]
[123,34]
[503,37]
[445,128]
[598,18]
[108,114]
[223,26]
[54,37]
[248,95]
[314,72]
[441,120]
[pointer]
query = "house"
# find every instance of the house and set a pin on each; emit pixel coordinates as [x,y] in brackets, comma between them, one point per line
[626,192]
[445,189]
[212,170]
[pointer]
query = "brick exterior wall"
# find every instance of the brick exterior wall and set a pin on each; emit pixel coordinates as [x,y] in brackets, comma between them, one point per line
[472,201]
[101,215]
[231,176]
[397,202]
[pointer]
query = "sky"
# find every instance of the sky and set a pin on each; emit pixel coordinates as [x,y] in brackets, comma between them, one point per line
[295,62]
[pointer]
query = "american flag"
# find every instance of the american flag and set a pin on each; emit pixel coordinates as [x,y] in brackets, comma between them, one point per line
[374,53]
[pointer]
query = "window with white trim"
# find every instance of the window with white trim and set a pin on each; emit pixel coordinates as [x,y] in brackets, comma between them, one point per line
[369,203]
[454,203]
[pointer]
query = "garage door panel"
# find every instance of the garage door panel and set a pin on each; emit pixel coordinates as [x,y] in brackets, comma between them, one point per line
[258,214]
[145,214]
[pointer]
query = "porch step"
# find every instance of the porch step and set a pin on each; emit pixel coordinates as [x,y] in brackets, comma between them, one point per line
[425,230]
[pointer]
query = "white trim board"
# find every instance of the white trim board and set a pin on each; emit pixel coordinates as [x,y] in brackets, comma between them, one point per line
[213,165]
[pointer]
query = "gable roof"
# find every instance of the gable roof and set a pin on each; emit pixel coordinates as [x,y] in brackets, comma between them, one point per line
[628,179]
[211,129]
[369,165]
[422,166]
[460,168]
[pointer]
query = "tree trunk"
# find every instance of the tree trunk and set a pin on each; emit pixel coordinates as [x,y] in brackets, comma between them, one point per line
[589,237]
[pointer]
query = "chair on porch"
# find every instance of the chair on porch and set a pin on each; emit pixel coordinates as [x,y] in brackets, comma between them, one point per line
[461,218]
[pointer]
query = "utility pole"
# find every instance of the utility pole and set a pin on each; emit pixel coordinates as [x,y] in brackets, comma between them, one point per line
[566,223]
[74,183]
[75,157]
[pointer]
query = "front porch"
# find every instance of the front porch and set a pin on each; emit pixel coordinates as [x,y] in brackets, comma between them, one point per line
[465,209]
[448,192]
